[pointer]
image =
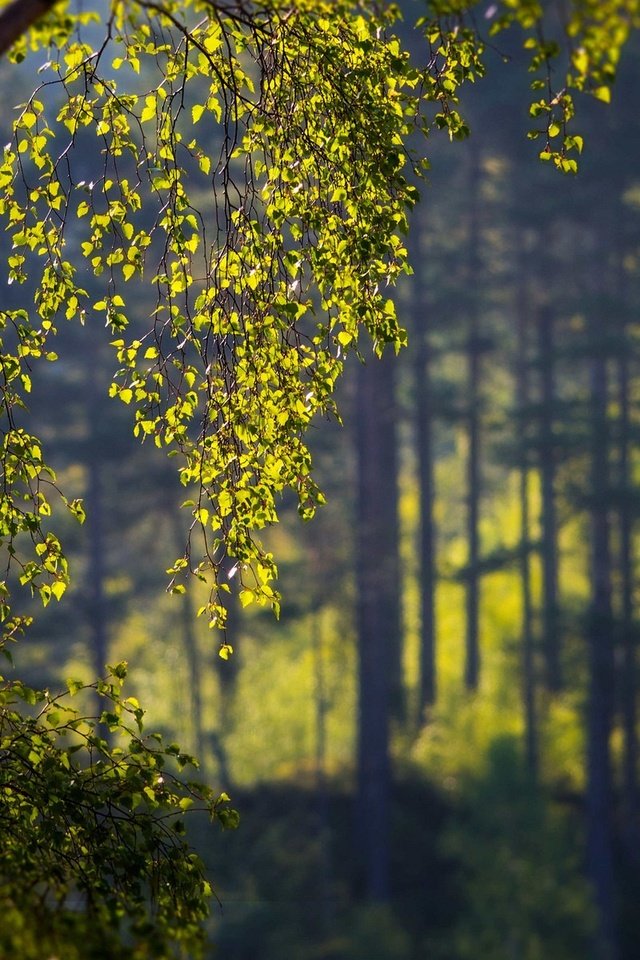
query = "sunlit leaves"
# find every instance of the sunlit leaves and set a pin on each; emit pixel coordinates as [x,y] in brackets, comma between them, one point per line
[246,168]
[252,169]
[595,33]
[266,259]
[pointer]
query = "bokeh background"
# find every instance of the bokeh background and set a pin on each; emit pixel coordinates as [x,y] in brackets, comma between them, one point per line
[434,751]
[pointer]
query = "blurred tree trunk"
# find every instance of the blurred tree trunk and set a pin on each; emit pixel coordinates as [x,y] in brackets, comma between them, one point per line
[627,626]
[195,667]
[474,353]
[549,523]
[322,704]
[192,653]
[427,533]
[601,670]
[94,498]
[228,671]
[629,679]
[523,404]
[378,614]
[96,565]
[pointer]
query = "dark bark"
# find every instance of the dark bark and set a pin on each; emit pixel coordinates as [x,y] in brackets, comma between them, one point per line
[389,526]
[228,671]
[194,661]
[378,625]
[18,17]
[528,641]
[548,519]
[96,568]
[474,353]
[629,679]
[601,677]
[523,400]
[427,534]
[378,485]
[321,704]
[325,864]
[188,632]
[194,664]
[94,498]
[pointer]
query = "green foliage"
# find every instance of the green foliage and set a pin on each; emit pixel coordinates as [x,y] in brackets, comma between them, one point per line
[265,261]
[267,256]
[595,34]
[93,829]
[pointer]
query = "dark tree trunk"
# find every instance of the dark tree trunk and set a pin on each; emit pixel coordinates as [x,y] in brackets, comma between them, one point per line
[601,676]
[523,401]
[548,519]
[474,353]
[427,542]
[194,662]
[96,566]
[528,642]
[389,526]
[188,631]
[228,671]
[629,678]
[325,864]
[202,739]
[378,617]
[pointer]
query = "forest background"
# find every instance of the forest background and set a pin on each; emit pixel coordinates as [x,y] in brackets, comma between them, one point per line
[478,547]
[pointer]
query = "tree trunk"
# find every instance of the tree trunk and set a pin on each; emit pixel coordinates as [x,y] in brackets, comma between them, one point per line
[96,566]
[427,545]
[321,698]
[474,351]
[194,661]
[548,520]
[523,401]
[601,675]
[378,617]
[228,671]
[629,679]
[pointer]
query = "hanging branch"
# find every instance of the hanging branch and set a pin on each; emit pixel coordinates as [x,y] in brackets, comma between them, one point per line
[18,17]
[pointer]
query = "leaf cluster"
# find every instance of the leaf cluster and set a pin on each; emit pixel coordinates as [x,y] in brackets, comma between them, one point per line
[252,169]
[92,811]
